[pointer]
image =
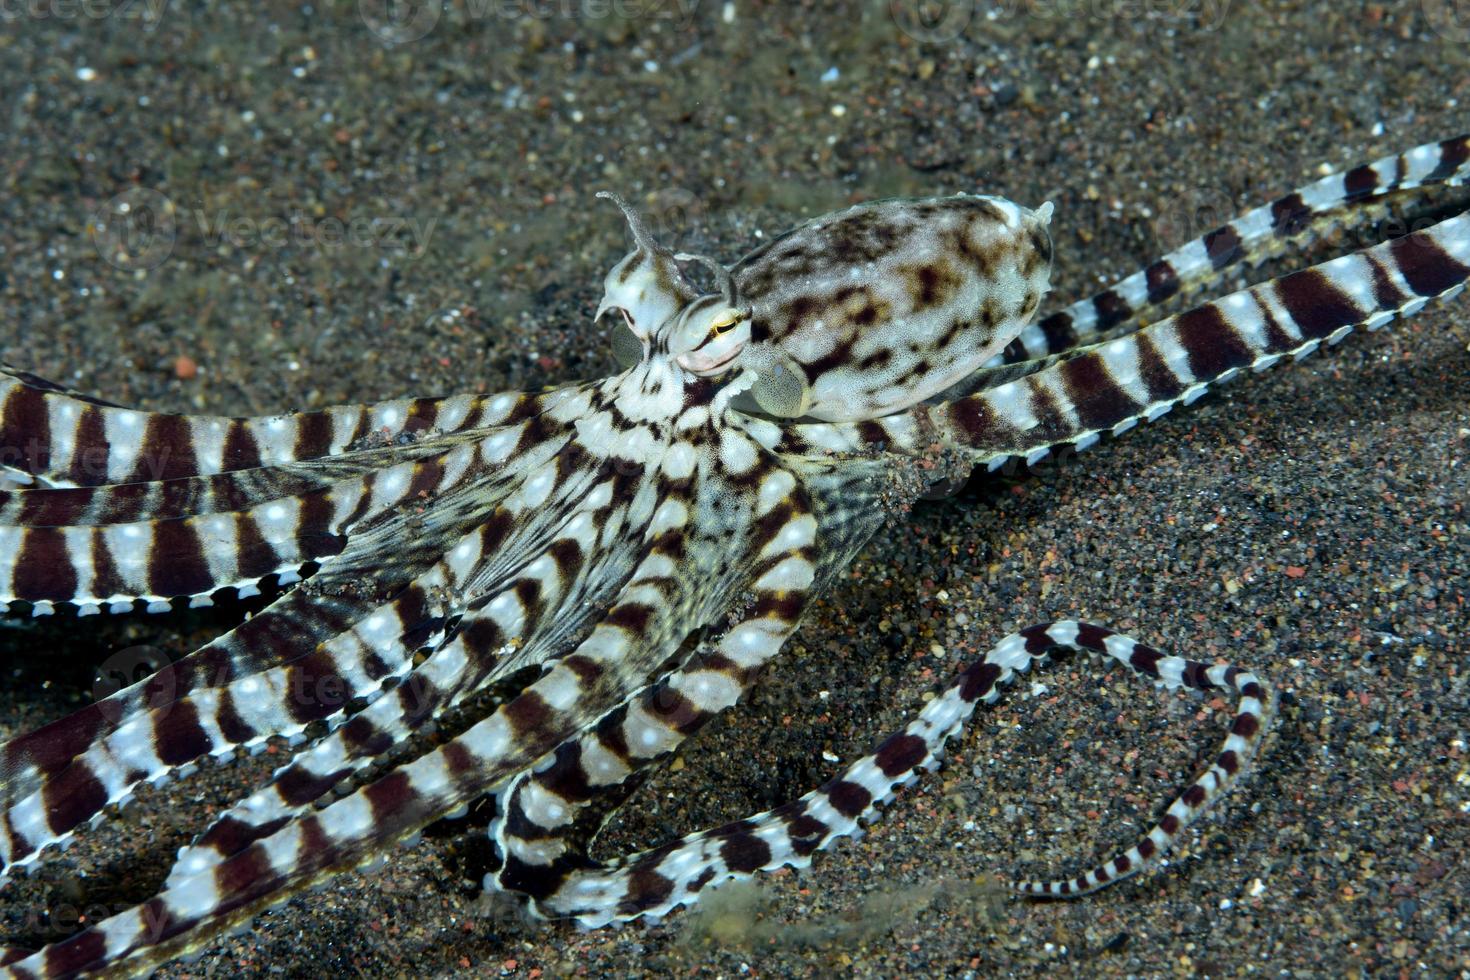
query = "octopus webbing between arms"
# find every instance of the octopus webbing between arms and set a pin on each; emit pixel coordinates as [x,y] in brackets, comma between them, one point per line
[648,541]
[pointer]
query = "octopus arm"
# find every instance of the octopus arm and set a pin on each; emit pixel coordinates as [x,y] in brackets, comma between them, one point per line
[685,577]
[1110,387]
[550,814]
[56,555]
[197,495]
[51,436]
[1321,210]
[524,619]
[655,882]
[542,832]
[338,637]
[638,633]
[301,660]
[350,630]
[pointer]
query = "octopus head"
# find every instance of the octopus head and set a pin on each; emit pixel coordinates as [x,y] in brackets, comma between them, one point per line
[643,290]
[709,334]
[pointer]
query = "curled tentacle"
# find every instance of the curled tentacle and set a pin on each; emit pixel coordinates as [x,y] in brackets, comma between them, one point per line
[655,882]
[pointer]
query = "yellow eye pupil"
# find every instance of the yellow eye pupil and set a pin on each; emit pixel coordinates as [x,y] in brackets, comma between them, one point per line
[723,325]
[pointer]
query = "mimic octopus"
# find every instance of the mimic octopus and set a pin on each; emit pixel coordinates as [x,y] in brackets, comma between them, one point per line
[640,546]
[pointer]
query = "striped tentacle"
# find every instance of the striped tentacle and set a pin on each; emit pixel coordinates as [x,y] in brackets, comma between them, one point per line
[680,582]
[114,566]
[161,500]
[640,631]
[1112,386]
[552,813]
[655,882]
[327,652]
[522,619]
[524,612]
[50,434]
[1307,215]
[284,630]
[300,661]
[1255,710]
[140,538]
[156,561]
[341,593]
[541,832]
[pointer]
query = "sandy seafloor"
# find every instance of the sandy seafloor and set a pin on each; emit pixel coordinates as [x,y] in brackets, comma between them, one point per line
[1309,522]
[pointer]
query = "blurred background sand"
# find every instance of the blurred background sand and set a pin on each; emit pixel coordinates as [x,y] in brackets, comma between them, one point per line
[357,203]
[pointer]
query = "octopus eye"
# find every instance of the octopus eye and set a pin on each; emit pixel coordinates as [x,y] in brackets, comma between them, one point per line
[724,324]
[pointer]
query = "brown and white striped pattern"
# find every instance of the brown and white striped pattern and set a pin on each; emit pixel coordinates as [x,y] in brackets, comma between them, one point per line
[503,628]
[299,661]
[592,531]
[152,561]
[62,439]
[536,835]
[185,535]
[655,882]
[644,626]
[1111,387]
[1296,219]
